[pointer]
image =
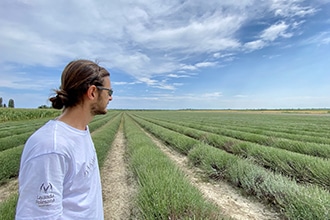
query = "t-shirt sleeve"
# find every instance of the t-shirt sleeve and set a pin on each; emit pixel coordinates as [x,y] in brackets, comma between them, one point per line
[41,187]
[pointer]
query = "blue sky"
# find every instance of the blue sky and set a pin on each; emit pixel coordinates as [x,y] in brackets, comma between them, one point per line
[172,54]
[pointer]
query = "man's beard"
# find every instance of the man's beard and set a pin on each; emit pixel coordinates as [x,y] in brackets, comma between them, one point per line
[97,109]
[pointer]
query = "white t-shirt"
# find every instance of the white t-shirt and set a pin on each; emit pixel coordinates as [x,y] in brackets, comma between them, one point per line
[59,175]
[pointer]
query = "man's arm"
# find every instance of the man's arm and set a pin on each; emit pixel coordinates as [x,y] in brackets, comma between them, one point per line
[41,187]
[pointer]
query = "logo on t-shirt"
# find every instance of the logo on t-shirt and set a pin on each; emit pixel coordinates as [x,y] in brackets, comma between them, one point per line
[46,196]
[45,188]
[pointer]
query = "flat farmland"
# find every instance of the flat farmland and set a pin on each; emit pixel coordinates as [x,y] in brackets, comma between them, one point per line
[199,164]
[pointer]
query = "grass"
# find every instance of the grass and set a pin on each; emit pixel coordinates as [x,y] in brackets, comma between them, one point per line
[10,160]
[14,140]
[8,208]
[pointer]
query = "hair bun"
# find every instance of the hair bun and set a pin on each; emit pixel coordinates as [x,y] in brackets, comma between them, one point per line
[58,102]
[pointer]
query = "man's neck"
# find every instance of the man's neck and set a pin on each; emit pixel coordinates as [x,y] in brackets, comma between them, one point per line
[76,117]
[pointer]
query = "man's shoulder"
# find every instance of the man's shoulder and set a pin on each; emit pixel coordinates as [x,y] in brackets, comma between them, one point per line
[47,140]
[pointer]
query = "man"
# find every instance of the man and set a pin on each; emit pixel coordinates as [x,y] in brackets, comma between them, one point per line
[59,175]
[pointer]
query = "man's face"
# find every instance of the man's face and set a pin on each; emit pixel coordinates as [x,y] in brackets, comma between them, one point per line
[100,107]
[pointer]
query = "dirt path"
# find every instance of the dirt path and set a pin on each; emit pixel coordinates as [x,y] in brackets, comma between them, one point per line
[226,197]
[8,189]
[117,185]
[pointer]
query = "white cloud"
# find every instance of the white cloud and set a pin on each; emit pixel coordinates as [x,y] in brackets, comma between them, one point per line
[325,40]
[141,38]
[196,66]
[291,8]
[188,67]
[212,95]
[157,84]
[255,45]
[270,34]
[12,78]
[171,75]
[319,38]
[275,31]
[124,83]
[222,55]
[205,64]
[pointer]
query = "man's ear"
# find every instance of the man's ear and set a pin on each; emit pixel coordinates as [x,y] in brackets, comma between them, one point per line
[92,92]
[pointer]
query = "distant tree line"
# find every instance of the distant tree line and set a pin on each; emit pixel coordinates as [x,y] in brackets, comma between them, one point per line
[11,103]
[44,106]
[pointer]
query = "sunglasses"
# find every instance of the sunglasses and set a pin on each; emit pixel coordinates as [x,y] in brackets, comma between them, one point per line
[110,91]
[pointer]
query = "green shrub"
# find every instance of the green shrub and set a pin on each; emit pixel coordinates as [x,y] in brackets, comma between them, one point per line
[8,208]
[10,161]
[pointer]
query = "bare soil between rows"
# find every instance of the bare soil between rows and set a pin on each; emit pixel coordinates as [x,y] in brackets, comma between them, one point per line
[119,187]
[7,189]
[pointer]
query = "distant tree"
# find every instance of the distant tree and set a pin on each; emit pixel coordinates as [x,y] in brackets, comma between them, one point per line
[11,103]
[44,106]
[4,105]
[1,102]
